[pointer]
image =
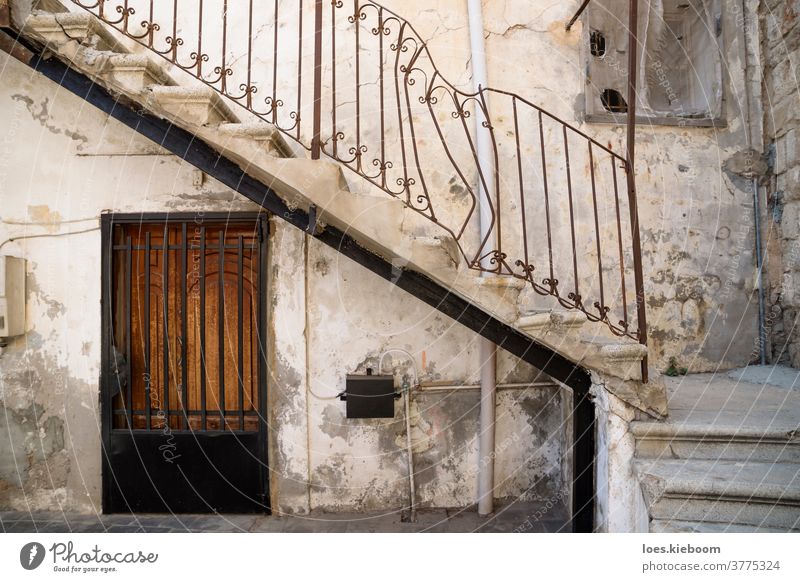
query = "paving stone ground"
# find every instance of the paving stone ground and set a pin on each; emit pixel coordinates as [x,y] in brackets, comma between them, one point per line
[518,517]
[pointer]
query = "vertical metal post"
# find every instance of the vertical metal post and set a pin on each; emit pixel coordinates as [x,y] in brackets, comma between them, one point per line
[203,355]
[633,45]
[184,328]
[148,373]
[165,303]
[316,143]
[239,327]
[128,333]
[221,327]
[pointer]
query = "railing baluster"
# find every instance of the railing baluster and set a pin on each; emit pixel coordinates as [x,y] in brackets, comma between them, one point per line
[249,84]
[520,178]
[175,31]
[300,63]
[224,67]
[381,99]
[415,71]
[316,139]
[199,40]
[577,298]
[358,84]
[318,81]
[150,30]
[602,305]
[551,281]
[621,252]
[275,69]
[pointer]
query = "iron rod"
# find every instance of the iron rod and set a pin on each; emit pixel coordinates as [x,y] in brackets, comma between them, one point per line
[184,324]
[128,327]
[633,42]
[147,370]
[316,144]
[239,328]
[203,355]
[221,322]
[165,331]
[577,14]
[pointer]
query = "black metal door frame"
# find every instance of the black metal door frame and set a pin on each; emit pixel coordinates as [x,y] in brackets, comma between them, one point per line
[116,442]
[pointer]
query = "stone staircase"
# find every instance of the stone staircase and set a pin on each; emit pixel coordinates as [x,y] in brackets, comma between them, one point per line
[380,223]
[728,458]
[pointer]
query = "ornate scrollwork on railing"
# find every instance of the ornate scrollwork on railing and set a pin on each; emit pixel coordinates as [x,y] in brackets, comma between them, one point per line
[381,108]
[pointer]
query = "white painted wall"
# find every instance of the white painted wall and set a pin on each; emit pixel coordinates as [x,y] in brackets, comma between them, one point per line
[63,161]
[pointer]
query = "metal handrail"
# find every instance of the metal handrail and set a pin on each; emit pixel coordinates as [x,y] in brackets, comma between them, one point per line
[417,116]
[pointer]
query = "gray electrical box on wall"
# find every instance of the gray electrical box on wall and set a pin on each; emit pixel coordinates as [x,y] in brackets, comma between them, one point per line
[12,296]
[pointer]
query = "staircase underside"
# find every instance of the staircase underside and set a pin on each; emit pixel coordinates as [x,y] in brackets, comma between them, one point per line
[195,122]
[198,153]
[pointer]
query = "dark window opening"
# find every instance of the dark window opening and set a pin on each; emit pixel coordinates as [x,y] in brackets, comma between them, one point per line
[613,101]
[597,44]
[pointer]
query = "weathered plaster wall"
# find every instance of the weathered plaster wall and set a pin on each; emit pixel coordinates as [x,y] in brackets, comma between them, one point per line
[695,205]
[62,164]
[780,28]
[341,322]
[696,217]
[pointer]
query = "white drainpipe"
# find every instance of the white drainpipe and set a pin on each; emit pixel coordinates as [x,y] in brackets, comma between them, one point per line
[488,351]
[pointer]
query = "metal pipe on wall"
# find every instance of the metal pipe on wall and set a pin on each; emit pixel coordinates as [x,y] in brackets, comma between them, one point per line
[488,350]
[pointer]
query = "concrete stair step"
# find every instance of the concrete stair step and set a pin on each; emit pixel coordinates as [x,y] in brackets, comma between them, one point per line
[552,321]
[563,329]
[722,492]
[201,106]
[675,526]
[664,440]
[56,29]
[264,134]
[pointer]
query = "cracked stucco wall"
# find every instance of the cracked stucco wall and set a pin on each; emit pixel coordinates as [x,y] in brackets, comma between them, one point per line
[696,213]
[63,163]
[340,322]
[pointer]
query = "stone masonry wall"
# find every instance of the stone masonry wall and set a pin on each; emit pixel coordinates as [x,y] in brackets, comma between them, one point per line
[780,28]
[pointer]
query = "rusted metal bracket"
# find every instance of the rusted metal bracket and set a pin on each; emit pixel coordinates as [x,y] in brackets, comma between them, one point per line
[5,14]
[313,225]
[577,14]
[15,49]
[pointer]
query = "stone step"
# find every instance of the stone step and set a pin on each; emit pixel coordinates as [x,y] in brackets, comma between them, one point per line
[57,29]
[263,133]
[552,321]
[664,440]
[200,106]
[675,526]
[722,492]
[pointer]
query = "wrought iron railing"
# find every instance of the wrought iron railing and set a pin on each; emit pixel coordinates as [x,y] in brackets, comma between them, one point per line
[354,81]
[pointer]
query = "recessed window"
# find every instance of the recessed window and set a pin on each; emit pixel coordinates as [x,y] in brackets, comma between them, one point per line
[613,102]
[597,44]
[680,61]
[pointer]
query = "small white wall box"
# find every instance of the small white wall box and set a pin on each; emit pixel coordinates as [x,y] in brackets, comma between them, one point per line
[12,296]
